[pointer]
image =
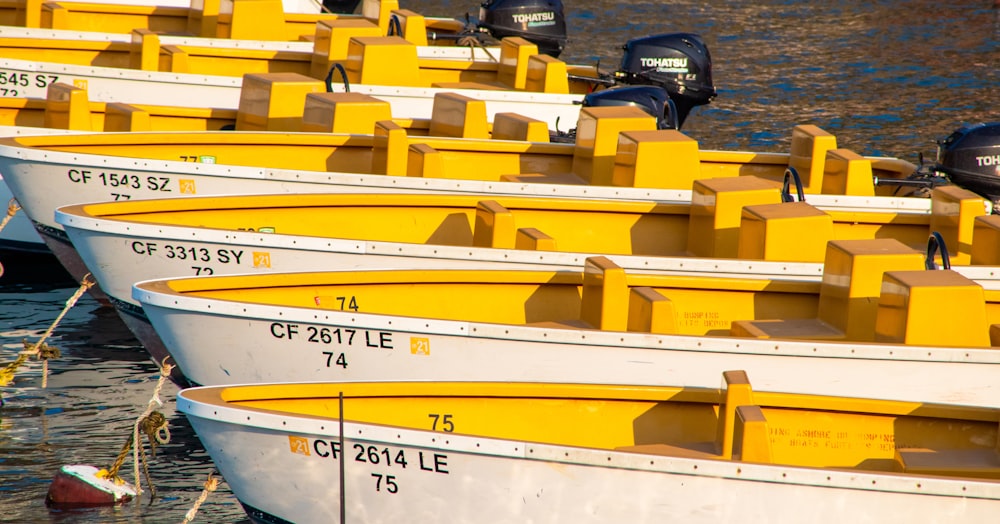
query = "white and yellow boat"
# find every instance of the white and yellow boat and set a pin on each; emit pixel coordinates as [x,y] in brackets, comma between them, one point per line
[121,243]
[210,75]
[45,173]
[504,452]
[352,57]
[272,20]
[872,325]
[68,108]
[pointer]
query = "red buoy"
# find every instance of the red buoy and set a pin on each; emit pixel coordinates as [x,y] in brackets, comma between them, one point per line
[80,485]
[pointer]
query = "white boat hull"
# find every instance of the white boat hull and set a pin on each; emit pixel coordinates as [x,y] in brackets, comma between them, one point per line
[19,234]
[219,342]
[284,467]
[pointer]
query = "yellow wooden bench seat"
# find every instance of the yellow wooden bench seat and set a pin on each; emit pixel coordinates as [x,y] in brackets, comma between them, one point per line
[798,328]
[458,116]
[717,211]
[533,239]
[353,113]
[67,107]
[849,293]
[665,159]
[847,173]
[979,463]
[382,60]
[494,226]
[741,432]
[125,117]
[412,25]
[512,71]
[543,178]
[788,231]
[604,303]
[332,40]
[596,144]
[514,126]
[650,312]
[607,302]
[423,160]
[954,211]
[986,240]
[932,308]
[546,74]
[274,101]
[808,155]
[390,149]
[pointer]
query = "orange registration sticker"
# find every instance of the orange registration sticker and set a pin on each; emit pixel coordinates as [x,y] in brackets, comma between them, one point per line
[298,445]
[420,346]
[262,259]
[187,186]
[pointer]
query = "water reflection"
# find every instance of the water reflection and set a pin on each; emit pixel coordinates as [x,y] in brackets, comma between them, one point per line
[100,384]
[887,77]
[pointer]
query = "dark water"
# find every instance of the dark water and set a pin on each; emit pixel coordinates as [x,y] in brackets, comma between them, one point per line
[887,77]
[96,389]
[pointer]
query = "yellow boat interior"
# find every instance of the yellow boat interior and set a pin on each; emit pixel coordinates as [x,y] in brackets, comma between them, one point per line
[731,423]
[871,291]
[740,217]
[614,146]
[236,19]
[365,55]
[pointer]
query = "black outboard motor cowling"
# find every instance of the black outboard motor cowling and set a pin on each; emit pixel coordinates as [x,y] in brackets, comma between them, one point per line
[342,7]
[970,157]
[541,22]
[652,99]
[678,62]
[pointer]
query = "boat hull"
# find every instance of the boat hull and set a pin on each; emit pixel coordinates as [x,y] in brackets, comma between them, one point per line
[18,235]
[223,342]
[455,478]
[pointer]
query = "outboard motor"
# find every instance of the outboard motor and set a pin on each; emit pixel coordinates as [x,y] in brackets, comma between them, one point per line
[541,22]
[970,157]
[341,7]
[651,99]
[678,62]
